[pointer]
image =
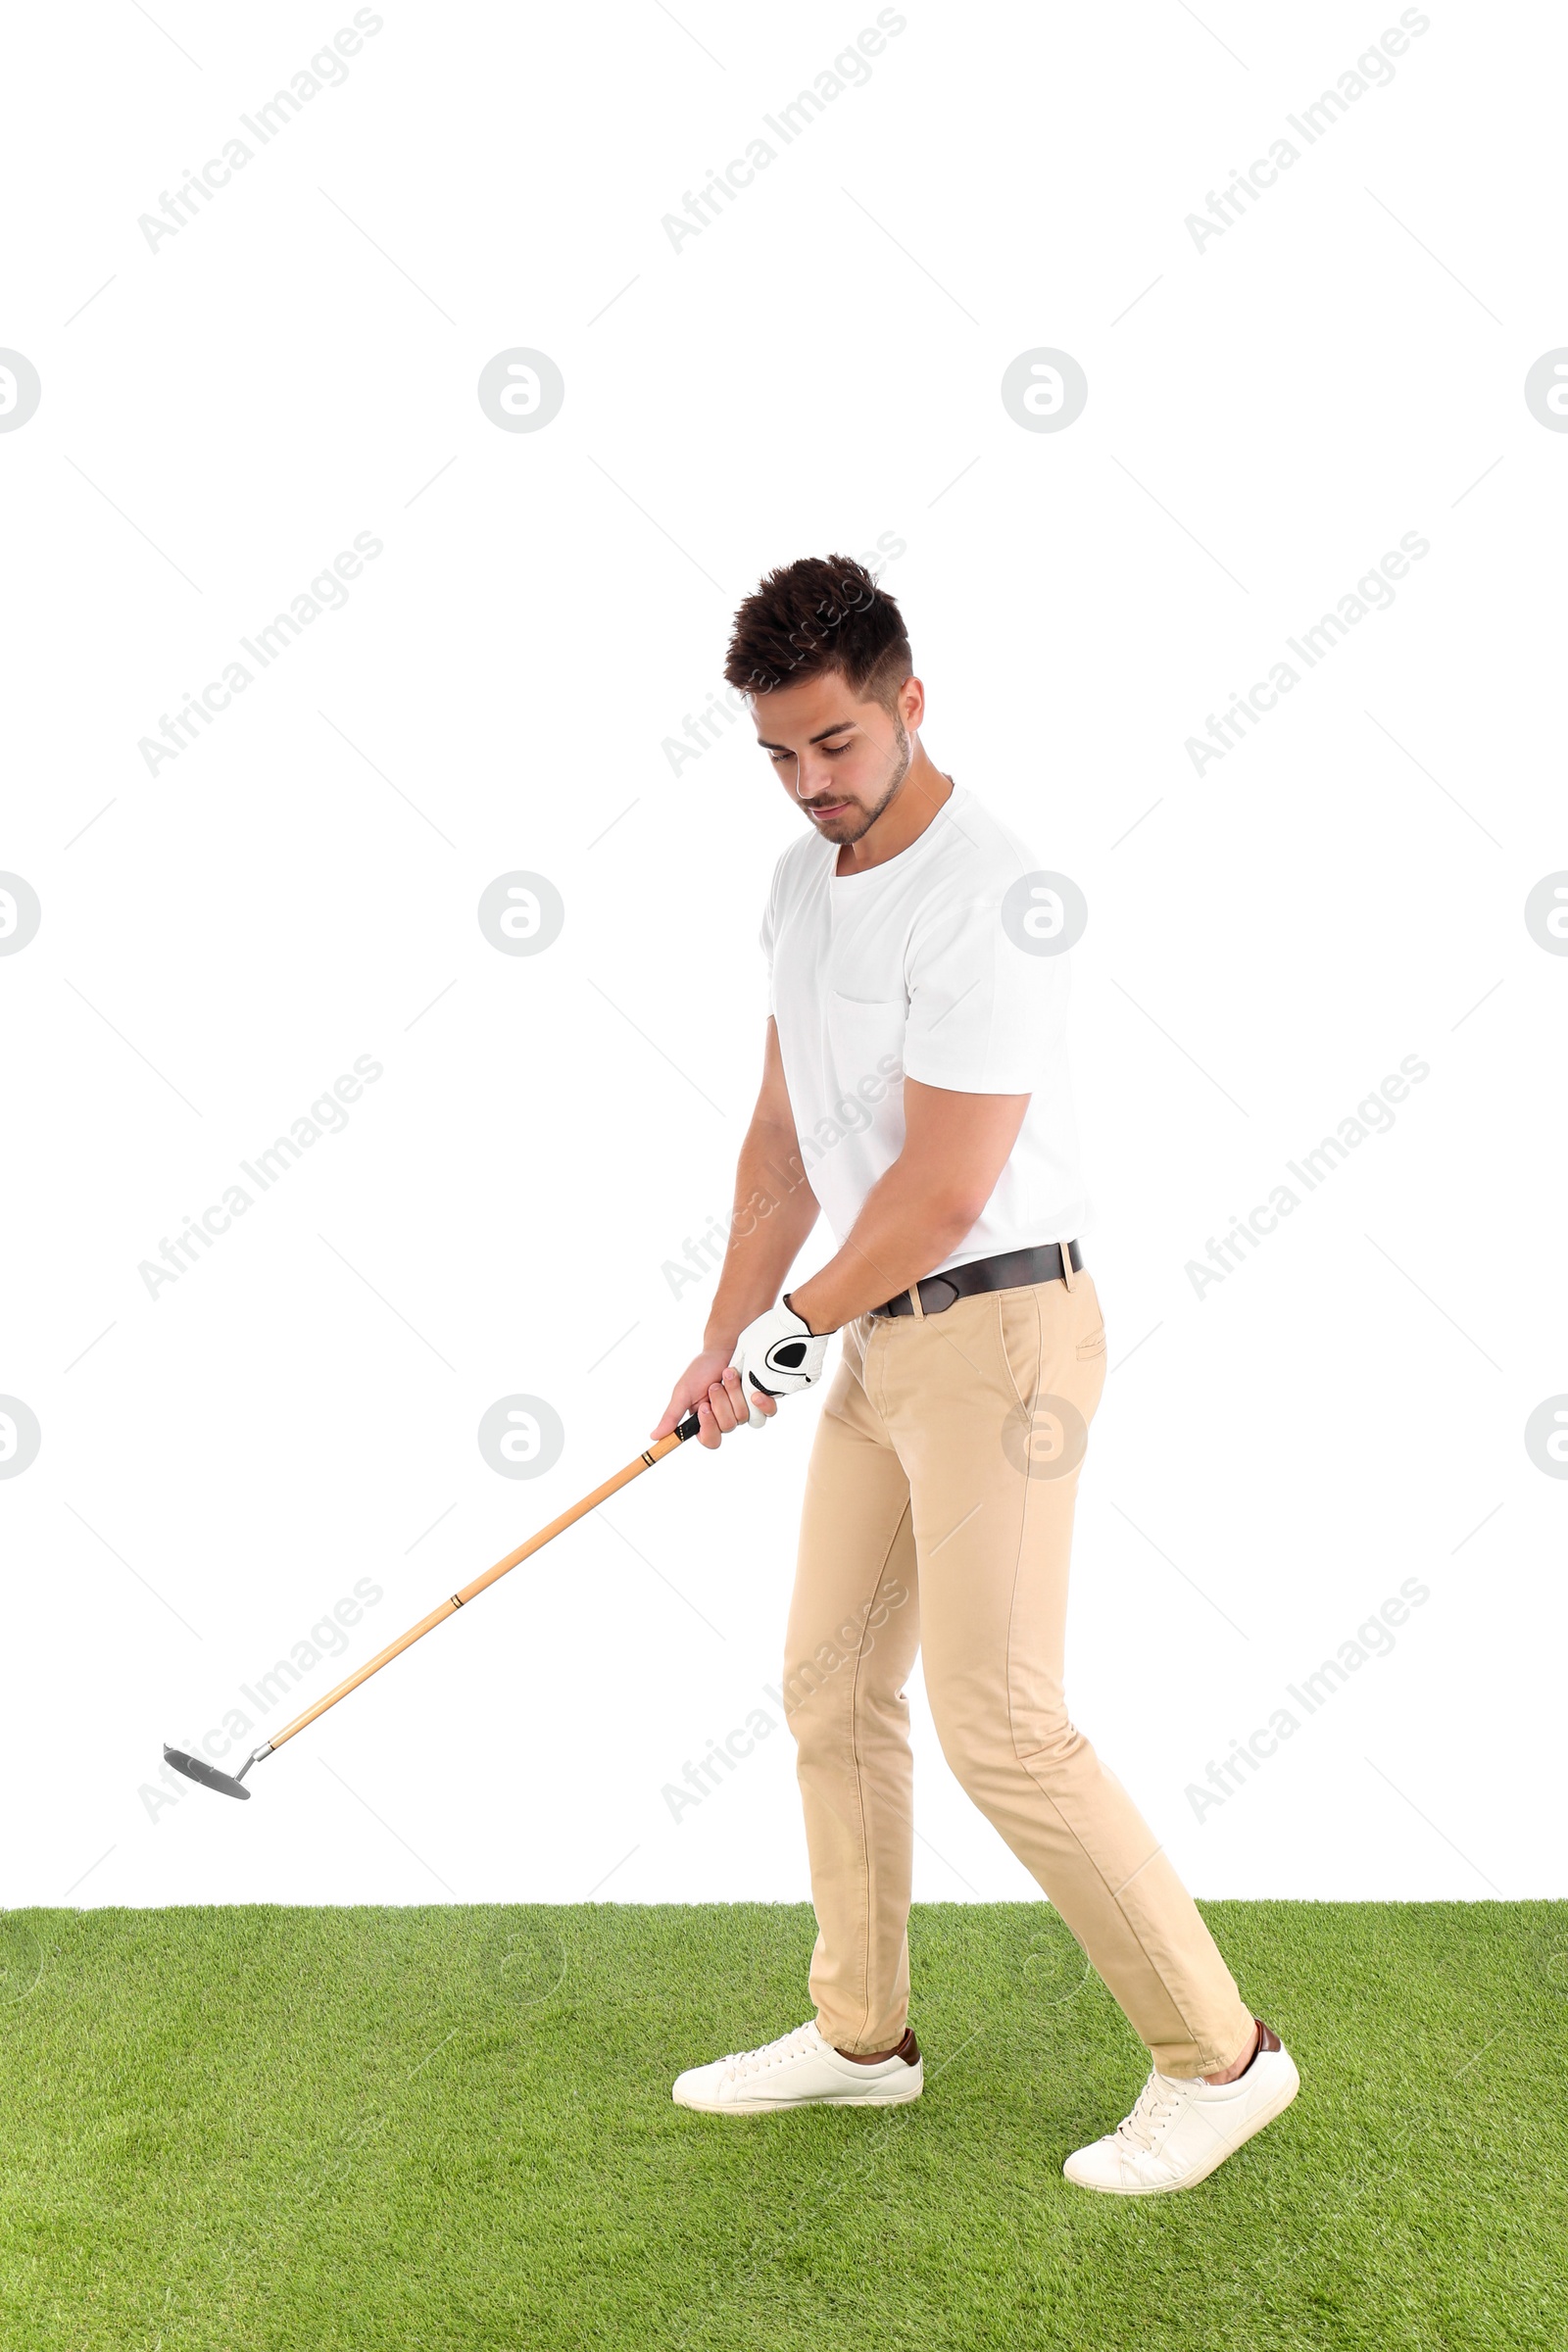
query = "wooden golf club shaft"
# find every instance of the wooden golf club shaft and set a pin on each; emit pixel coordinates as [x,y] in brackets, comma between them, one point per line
[456,1601]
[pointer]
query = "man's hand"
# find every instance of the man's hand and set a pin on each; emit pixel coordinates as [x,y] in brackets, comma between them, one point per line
[777,1356]
[711,1385]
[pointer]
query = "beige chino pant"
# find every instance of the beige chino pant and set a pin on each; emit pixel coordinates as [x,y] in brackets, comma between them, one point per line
[938,1511]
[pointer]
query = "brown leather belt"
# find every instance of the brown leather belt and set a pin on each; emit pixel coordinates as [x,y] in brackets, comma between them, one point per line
[1013,1270]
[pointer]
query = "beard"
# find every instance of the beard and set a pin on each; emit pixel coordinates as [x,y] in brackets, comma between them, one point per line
[857,821]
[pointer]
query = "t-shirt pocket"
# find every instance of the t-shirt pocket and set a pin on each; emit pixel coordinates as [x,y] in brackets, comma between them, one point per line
[865,1044]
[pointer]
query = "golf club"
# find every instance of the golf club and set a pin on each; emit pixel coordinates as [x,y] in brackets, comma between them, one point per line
[207,1776]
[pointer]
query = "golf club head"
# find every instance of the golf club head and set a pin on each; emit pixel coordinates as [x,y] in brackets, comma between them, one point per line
[195,1768]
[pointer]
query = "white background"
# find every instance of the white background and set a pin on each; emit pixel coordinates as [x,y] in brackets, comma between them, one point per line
[819,368]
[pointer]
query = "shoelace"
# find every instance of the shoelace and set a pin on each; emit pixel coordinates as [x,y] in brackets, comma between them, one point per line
[770,2054]
[1157,2104]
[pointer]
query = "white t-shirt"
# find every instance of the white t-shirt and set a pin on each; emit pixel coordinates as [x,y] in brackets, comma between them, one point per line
[909,969]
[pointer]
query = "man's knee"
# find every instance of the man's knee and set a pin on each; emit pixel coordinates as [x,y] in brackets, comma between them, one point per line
[828,1660]
[800,1686]
[982,1735]
[1049,1745]
[838,1682]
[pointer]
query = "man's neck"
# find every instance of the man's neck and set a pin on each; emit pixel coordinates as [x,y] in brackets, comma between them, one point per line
[905,817]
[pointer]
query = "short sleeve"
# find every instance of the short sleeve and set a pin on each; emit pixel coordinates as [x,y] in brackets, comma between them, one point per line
[765,940]
[985,1016]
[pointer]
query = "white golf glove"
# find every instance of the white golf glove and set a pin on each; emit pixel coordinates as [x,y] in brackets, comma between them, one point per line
[779,1355]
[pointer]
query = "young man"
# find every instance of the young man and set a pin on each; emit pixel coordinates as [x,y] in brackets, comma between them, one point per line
[916,1043]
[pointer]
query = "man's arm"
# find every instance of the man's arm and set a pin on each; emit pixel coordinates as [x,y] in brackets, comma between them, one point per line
[775,1209]
[956,1147]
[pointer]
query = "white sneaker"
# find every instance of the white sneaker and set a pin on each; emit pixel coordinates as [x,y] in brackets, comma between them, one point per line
[1180,2132]
[799,2069]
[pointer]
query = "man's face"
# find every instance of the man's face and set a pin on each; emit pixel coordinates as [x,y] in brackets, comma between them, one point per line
[840,759]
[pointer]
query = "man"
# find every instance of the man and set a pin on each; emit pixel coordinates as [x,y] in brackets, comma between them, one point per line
[915,1049]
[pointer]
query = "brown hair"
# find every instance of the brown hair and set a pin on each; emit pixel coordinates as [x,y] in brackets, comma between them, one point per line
[822,613]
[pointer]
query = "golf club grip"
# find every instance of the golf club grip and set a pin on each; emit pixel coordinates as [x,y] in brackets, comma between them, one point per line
[457,1601]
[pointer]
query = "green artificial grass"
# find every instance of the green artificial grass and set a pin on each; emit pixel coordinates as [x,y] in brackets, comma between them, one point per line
[268,2130]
